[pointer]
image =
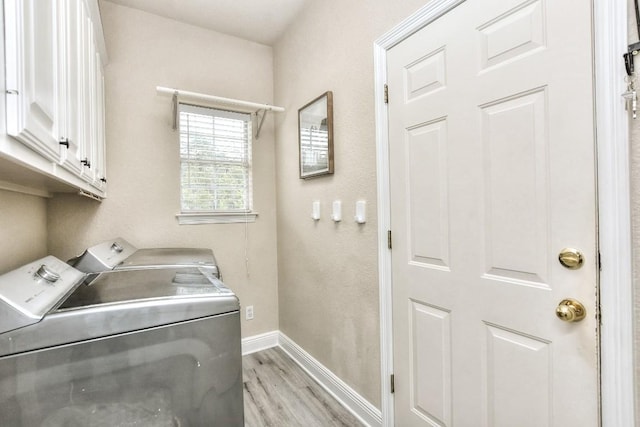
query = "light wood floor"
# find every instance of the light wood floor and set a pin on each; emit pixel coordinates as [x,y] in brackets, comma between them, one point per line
[278,393]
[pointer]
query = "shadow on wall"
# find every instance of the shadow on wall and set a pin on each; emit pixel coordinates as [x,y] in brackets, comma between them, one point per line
[81,215]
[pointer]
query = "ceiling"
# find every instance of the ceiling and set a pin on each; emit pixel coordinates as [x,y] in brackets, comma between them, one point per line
[262,21]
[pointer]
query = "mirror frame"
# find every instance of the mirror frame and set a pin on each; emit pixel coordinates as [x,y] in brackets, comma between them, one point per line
[313,171]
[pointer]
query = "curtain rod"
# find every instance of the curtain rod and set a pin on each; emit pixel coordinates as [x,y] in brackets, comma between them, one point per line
[217,99]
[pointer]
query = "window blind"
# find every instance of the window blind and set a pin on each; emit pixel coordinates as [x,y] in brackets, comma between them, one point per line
[215,159]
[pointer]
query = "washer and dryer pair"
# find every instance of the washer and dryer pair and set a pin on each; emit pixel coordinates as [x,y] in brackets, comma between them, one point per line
[120,337]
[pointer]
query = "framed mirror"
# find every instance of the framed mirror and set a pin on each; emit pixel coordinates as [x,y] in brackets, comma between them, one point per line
[315,137]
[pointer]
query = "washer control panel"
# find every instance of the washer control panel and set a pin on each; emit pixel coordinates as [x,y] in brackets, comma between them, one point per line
[31,291]
[104,256]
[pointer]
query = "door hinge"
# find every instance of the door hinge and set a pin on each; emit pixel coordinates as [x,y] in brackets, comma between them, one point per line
[393,383]
[599,261]
[386,93]
[389,238]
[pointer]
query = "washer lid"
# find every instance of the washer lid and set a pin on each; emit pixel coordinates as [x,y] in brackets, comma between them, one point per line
[31,291]
[170,257]
[126,286]
[120,254]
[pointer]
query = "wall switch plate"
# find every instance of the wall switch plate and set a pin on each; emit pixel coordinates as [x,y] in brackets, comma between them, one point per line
[248,313]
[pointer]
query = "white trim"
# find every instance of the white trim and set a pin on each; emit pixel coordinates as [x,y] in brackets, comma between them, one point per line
[260,342]
[216,218]
[421,18]
[610,26]
[9,186]
[360,407]
[345,395]
[384,225]
[616,282]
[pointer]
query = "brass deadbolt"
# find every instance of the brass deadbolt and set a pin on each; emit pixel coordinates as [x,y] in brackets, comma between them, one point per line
[571,258]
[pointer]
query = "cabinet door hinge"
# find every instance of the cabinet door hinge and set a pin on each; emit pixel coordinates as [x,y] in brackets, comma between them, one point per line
[389,239]
[386,93]
[393,383]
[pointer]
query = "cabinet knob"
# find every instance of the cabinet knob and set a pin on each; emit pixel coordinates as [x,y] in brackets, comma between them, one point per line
[86,162]
[65,142]
[103,179]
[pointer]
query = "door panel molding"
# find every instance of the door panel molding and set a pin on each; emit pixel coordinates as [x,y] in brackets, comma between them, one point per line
[610,30]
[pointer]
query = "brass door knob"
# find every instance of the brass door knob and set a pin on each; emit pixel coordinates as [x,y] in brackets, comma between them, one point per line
[571,310]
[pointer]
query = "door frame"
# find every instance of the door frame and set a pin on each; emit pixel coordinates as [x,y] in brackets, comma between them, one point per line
[614,223]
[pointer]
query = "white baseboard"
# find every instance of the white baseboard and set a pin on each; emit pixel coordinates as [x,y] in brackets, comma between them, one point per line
[345,395]
[260,342]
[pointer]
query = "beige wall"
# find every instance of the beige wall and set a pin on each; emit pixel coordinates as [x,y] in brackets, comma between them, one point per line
[146,51]
[328,273]
[23,229]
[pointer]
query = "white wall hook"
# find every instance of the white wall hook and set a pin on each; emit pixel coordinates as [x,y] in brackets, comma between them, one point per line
[337,211]
[361,212]
[315,210]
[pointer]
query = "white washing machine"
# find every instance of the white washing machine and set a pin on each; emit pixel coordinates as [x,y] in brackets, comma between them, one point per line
[156,347]
[118,254]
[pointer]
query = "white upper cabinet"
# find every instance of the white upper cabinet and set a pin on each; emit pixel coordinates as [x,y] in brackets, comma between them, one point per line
[54,53]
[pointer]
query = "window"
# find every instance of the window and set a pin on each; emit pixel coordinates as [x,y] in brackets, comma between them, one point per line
[215,165]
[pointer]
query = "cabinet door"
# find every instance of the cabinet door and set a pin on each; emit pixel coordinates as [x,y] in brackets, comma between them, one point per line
[99,158]
[89,100]
[90,104]
[33,55]
[74,13]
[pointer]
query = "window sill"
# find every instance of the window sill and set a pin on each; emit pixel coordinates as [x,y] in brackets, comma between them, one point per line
[216,218]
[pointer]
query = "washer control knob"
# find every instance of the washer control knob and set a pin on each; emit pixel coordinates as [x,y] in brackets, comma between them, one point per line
[46,274]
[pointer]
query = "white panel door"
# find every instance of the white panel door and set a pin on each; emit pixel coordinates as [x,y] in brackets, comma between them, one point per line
[491,134]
